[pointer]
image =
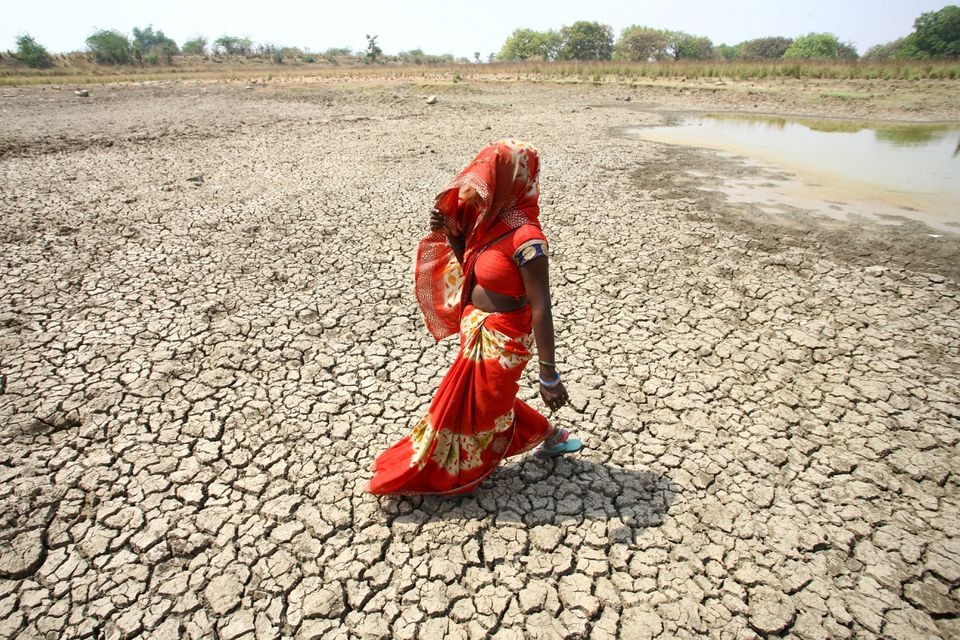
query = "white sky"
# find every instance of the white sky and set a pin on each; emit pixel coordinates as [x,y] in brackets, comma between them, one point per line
[446,26]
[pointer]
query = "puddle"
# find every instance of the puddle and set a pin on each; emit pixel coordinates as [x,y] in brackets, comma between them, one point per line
[845,169]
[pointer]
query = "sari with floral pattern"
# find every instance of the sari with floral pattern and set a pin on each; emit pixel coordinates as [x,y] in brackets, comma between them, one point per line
[475,419]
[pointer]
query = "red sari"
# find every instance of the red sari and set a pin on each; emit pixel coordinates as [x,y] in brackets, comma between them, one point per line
[475,419]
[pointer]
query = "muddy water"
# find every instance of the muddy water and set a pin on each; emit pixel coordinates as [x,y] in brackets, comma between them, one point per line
[841,168]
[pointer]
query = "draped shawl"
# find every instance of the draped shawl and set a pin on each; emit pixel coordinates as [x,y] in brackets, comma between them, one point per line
[498,191]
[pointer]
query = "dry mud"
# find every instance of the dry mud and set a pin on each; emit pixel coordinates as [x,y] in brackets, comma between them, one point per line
[207,332]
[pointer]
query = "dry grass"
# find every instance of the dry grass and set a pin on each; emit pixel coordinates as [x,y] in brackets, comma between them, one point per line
[73,71]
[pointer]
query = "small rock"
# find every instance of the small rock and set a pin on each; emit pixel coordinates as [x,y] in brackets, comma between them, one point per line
[81,93]
[432,100]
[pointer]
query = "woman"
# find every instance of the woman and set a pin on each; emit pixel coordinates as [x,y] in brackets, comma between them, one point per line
[482,271]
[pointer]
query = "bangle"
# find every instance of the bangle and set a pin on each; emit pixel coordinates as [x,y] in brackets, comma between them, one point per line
[548,364]
[550,383]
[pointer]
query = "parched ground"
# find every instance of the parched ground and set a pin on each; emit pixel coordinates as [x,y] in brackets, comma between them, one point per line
[207,333]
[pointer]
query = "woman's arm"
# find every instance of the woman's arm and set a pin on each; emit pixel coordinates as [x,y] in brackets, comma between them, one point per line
[536,281]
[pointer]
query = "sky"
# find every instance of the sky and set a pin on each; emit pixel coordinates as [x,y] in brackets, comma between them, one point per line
[444,26]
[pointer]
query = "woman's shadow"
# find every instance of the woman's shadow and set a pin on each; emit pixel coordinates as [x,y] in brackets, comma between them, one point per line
[564,490]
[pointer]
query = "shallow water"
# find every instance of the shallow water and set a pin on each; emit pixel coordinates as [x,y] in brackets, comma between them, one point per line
[880,171]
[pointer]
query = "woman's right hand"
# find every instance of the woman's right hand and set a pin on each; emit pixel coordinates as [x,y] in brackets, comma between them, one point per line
[554,397]
[440,222]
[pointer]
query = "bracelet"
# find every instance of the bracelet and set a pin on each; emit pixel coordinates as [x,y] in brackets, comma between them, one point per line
[548,364]
[550,383]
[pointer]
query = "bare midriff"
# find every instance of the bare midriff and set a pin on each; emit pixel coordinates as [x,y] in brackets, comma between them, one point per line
[492,302]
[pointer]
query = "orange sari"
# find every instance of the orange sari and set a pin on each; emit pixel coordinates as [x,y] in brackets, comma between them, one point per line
[475,419]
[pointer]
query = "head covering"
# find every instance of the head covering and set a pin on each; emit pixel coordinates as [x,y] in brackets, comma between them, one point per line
[497,192]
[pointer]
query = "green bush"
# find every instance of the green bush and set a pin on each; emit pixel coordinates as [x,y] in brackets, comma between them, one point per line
[527,44]
[32,53]
[110,47]
[640,44]
[373,49]
[195,47]
[819,45]
[232,46]
[147,41]
[937,33]
[764,48]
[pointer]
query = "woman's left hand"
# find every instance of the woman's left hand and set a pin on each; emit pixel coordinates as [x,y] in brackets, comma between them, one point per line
[554,397]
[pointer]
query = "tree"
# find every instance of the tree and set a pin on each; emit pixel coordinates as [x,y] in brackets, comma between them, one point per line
[937,33]
[586,41]
[476,57]
[819,45]
[847,51]
[373,50]
[146,40]
[729,51]
[527,44]
[195,47]
[271,51]
[771,48]
[640,44]
[32,53]
[110,47]
[232,46]
[685,46]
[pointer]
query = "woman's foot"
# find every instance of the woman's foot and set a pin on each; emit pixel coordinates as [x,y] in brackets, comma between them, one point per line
[556,444]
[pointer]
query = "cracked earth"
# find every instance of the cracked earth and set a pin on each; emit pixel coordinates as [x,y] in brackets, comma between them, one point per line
[207,333]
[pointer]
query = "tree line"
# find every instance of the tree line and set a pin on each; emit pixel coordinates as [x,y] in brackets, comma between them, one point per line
[936,34]
[152,46]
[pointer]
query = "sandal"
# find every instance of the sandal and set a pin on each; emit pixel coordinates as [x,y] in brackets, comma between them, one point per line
[564,444]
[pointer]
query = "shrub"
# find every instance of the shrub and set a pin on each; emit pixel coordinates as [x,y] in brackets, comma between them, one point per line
[640,44]
[883,51]
[32,53]
[149,41]
[729,52]
[685,46]
[233,46]
[373,49]
[819,45]
[937,33]
[764,48]
[527,44]
[195,47]
[110,47]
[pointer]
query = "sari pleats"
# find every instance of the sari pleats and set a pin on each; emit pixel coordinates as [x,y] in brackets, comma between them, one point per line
[475,419]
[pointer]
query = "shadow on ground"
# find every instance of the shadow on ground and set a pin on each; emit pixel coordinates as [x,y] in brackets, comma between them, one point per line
[534,492]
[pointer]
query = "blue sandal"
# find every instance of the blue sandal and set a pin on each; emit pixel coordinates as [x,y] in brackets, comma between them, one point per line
[566,445]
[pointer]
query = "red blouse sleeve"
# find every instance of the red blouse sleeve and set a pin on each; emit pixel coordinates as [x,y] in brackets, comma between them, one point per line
[528,243]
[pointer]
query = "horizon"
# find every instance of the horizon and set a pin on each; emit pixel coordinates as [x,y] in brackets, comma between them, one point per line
[441,31]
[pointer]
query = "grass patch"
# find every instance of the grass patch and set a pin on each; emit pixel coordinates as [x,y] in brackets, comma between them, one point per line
[610,72]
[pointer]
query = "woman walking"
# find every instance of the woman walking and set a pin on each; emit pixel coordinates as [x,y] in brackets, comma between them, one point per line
[482,271]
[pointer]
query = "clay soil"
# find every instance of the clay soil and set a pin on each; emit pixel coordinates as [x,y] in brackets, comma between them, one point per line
[207,332]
